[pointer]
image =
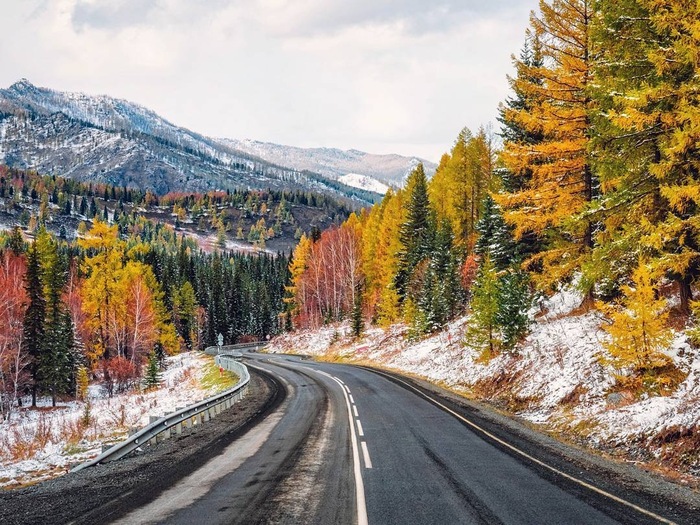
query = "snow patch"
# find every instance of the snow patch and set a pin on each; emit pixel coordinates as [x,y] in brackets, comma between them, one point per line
[364,182]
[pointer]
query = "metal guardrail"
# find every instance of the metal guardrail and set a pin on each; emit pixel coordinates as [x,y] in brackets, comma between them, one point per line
[189,416]
[214,350]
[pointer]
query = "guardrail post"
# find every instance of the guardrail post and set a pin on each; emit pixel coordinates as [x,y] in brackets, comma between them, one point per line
[182,423]
[153,419]
[205,416]
[167,433]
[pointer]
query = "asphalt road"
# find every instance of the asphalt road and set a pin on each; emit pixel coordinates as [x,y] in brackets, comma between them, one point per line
[351,445]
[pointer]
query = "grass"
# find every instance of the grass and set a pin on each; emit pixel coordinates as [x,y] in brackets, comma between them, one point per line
[216,380]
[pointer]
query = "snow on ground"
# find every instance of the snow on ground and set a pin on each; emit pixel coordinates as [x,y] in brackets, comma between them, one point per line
[364,182]
[55,439]
[556,379]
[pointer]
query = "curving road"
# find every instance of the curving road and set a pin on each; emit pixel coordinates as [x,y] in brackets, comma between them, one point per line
[352,445]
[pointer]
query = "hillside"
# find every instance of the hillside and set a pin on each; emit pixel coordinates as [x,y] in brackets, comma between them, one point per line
[242,221]
[555,380]
[103,139]
[334,163]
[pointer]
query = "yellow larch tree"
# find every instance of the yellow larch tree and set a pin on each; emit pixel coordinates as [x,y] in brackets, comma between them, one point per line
[638,327]
[560,181]
[296,291]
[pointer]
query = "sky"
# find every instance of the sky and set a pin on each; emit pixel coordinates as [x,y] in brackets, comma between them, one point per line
[383,76]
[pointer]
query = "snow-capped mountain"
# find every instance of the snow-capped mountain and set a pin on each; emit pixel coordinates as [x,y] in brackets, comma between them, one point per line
[391,170]
[100,138]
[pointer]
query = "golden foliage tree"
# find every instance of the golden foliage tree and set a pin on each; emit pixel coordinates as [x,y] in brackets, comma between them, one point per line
[638,326]
[560,180]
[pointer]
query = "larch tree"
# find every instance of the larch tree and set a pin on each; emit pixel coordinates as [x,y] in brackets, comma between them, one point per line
[625,143]
[647,136]
[638,328]
[560,182]
[677,65]
[100,291]
[387,259]
[461,182]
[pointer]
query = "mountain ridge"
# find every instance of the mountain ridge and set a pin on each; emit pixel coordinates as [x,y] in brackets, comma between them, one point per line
[390,169]
[106,139]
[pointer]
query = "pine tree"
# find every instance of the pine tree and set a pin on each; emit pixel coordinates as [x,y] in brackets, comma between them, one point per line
[152,378]
[483,332]
[34,319]
[417,233]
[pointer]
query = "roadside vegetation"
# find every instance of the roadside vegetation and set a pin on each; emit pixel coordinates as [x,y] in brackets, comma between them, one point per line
[590,191]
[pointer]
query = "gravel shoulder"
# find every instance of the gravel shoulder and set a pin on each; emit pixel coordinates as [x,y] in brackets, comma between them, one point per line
[103,493]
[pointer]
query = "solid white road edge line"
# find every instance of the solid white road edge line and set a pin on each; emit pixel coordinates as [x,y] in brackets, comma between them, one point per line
[365,453]
[359,485]
[531,458]
[359,429]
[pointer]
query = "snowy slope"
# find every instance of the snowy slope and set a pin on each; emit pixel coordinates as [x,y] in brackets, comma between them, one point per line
[556,380]
[334,163]
[61,440]
[364,183]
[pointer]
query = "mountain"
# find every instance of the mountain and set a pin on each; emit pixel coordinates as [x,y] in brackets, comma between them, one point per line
[104,139]
[391,170]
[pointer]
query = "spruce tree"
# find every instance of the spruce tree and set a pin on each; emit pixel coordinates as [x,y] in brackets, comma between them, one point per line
[34,319]
[152,378]
[358,322]
[56,362]
[16,241]
[514,303]
[495,236]
[417,232]
[483,331]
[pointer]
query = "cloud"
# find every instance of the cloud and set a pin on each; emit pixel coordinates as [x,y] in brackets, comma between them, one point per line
[383,75]
[116,14]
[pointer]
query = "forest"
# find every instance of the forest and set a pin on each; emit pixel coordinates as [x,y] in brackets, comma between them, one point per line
[107,304]
[593,179]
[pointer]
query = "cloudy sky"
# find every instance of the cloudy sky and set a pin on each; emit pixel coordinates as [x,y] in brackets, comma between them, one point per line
[385,76]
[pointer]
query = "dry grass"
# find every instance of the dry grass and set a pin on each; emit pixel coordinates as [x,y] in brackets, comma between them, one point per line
[25,441]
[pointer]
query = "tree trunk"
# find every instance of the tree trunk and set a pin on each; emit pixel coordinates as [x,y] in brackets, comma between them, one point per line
[686,294]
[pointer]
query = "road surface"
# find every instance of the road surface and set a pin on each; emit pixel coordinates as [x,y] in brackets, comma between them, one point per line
[352,445]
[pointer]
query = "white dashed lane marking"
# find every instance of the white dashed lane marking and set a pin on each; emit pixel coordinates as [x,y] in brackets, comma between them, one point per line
[365,454]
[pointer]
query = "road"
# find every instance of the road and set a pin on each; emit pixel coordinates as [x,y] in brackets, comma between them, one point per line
[352,445]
